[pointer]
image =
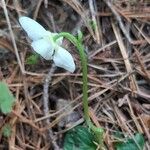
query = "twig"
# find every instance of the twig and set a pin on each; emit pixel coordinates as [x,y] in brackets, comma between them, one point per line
[46,104]
[133,84]
[45,90]
[46,3]
[145,37]
[92,54]
[52,22]
[83,13]
[109,4]
[37,9]
[12,36]
[93,14]
[132,114]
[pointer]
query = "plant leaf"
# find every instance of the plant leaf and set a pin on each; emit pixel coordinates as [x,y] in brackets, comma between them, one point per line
[131,144]
[6,130]
[32,59]
[79,138]
[6,98]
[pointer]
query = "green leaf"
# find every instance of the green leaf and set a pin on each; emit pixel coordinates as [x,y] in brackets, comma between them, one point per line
[136,143]
[32,59]
[6,130]
[6,98]
[119,135]
[79,138]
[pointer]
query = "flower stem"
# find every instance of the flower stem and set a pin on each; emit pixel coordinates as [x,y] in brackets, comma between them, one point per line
[97,131]
[84,70]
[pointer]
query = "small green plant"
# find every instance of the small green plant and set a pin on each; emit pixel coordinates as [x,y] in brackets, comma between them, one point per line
[32,59]
[80,138]
[6,130]
[6,98]
[98,132]
[135,143]
[49,46]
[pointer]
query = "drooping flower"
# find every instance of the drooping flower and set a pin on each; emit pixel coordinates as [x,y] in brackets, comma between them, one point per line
[43,44]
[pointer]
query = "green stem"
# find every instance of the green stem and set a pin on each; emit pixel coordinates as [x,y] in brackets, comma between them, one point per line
[84,70]
[98,131]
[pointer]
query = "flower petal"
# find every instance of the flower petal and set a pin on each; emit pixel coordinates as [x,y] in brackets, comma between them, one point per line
[44,48]
[34,30]
[64,59]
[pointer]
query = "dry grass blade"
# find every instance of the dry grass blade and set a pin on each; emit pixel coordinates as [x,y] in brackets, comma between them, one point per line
[12,35]
[83,13]
[119,20]
[133,84]
[92,5]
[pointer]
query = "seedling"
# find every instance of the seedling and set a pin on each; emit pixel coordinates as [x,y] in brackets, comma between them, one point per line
[49,46]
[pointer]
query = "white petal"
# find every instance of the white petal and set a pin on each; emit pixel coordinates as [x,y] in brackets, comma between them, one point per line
[64,59]
[34,30]
[44,48]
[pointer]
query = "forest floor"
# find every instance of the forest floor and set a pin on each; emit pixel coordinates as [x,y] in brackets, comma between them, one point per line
[116,37]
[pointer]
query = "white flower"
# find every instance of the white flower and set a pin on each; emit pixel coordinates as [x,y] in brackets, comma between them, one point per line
[43,44]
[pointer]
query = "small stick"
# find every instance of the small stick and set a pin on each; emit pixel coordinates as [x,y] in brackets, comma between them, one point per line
[45,90]
[46,104]
[133,84]
[93,14]
[109,4]
[37,9]
[12,36]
